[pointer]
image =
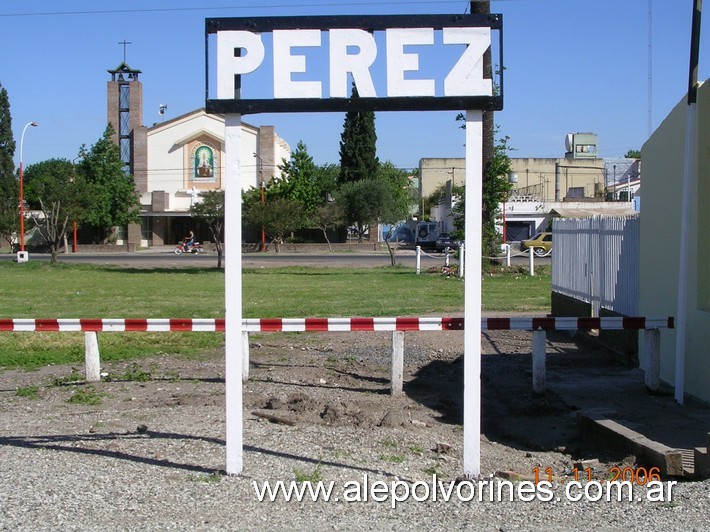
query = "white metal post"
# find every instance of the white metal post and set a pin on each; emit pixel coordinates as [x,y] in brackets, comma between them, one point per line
[233,293]
[472,297]
[419,259]
[507,255]
[532,263]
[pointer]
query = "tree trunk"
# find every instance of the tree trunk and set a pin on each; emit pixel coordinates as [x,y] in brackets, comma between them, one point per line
[484,8]
[392,251]
[325,235]
[488,140]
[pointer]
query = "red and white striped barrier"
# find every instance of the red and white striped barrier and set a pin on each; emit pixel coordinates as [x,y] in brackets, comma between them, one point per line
[398,326]
[329,324]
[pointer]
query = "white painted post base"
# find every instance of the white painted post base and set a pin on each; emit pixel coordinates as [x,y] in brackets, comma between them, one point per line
[652,343]
[245,356]
[23,256]
[397,363]
[419,259]
[532,263]
[538,361]
[92,359]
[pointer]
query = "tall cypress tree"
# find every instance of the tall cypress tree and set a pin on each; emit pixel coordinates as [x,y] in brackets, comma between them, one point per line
[8,180]
[358,146]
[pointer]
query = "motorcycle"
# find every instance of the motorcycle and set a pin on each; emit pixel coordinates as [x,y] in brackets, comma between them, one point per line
[196,248]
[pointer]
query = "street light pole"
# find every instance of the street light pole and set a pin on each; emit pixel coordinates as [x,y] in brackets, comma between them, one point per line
[263,200]
[22,194]
[73,180]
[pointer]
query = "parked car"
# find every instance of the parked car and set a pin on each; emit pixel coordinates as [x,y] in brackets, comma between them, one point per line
[541,244]
[445,241]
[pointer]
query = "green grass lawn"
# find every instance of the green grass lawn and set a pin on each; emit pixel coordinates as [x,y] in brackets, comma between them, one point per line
[42,290]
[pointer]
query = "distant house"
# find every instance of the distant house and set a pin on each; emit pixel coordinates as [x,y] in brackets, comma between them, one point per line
[663,168]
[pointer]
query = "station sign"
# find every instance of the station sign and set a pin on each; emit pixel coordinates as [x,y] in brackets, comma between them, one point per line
[309,64]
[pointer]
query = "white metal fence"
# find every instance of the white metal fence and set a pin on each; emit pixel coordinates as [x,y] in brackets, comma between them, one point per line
[597,260]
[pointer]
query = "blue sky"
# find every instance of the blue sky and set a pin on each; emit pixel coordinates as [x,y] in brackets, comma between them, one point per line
[571,66]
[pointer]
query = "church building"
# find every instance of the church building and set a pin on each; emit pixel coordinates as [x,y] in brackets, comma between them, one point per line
[173,161]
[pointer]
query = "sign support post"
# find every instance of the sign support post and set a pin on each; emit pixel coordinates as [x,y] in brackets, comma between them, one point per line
[233,293]
[472,297]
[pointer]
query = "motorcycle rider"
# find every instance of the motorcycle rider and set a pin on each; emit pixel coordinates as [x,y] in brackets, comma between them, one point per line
[189,239]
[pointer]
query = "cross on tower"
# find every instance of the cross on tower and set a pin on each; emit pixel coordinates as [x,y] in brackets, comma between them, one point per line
[124,43]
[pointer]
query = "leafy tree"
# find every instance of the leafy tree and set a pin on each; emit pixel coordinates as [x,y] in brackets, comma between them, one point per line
[55,195]
[397,195]
[633,154]
[326,217]
[495,189]
[300,180]
[382,199]
[114,199]
[358,146]
[279,217]
[326,178]
[303,183]
[9,194]
[438,194]
[211,211]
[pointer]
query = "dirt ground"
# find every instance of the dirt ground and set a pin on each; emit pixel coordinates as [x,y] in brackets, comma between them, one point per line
[342,380]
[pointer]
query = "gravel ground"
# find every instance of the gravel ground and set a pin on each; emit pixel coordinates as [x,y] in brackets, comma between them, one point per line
[150,455]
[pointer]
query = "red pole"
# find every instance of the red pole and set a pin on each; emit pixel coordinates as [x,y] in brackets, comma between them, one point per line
[505,236]
[73,242]
[22,212]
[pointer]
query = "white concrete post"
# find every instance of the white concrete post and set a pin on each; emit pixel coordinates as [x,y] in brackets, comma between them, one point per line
[538,361]
[507,255]
[652,344]
[446,259]
[92,358]
[462,259]
[472,297]
[397,363]
[245,356]
[419,259]
[233,293]
[532,263]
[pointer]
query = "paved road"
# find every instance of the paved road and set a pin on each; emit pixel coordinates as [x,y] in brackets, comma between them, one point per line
[167,259]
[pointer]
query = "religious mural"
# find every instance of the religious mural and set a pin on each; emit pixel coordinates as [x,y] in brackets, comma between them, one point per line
[203,163]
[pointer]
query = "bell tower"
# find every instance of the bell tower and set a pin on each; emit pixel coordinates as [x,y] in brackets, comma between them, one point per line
[125,114]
